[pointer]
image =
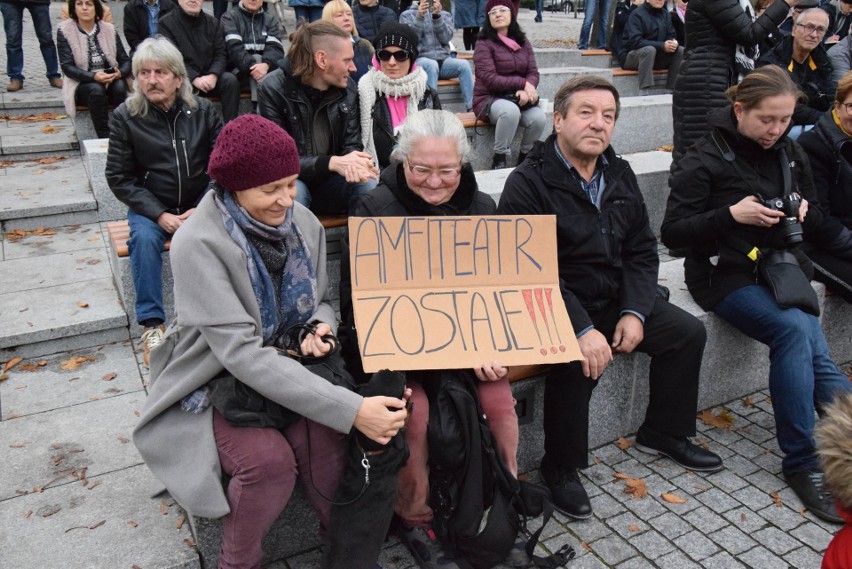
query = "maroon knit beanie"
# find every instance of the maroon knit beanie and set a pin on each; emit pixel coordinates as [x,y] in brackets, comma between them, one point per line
[252,151]
[507,3]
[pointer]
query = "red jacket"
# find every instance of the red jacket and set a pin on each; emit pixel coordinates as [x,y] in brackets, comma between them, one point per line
[839,552]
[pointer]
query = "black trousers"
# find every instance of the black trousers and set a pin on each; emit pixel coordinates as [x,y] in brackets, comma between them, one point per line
[228,90]
[675,341]
[835,273]
[98,98]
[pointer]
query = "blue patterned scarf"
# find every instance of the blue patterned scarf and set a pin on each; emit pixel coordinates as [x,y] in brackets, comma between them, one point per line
[298,292]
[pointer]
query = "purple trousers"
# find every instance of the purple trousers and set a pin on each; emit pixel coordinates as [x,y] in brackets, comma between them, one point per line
[264,465]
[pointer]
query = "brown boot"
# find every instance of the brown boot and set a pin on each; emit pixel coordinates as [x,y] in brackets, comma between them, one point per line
[14,85]
[55,82]
[151,338]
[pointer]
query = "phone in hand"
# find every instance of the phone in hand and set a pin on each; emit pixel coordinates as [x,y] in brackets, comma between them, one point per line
[110,70]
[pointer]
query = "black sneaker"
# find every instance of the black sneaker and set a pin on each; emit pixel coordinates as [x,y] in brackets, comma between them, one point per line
[809,486]
[680,449]
[569,496]
[426,549]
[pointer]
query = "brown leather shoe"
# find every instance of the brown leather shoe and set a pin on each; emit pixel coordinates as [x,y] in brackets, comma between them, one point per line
[14,85]
[56,82]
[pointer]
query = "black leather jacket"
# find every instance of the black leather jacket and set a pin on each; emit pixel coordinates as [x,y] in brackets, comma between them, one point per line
[136,21]
[158,162]
[70,68]
[282,99]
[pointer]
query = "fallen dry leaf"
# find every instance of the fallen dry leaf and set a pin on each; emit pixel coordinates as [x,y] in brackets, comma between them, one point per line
[636,488]
[42,363]
[597,460]
[122,440]
[12,363]
[93,526]
[137,413]
[4,376]
[673,498]
[623,443]
[181,521]
[11,416]
[586,546]
[190,542]
[776,498]
[18,445]
[802,512]
[28,513]
[94,484]
[723,420]
[621,476]
[633,527]
[109,376]
[47,511]
[83,304]
[747,402]
[743,517]
[75,362]
[132,523]
[28,367]
[47,129]
[37,172]
[666,148]
[135,566]
[164,508]
[49,160]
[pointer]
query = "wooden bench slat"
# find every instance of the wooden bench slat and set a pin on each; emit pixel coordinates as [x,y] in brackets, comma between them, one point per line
[619,72]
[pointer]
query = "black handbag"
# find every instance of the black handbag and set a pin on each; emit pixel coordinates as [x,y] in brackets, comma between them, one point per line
[780,271]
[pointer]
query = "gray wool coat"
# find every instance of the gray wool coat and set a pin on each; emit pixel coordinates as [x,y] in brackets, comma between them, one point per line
[217,325]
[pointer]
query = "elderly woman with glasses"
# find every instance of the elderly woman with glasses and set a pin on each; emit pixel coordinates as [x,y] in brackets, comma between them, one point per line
[392,89]
[829,148]
[506,81]
[431,176]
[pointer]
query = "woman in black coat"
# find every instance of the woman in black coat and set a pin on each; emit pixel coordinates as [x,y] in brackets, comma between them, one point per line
[715,29]
[717,211]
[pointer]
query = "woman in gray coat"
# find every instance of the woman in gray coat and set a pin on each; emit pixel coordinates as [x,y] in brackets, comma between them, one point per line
[248,264]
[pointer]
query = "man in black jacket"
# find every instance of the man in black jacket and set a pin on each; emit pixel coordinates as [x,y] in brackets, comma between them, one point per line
[608,268]
[316,102]
[649,43]
[804,57]
[159,144]
[142,18]
[253,39]
[200,39]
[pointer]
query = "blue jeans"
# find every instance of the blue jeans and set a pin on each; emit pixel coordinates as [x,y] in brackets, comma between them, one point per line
[335,196]
[451,68]
[802,376]
[13,17]
[539,7]
[588,20]
[146,245]
[308,13]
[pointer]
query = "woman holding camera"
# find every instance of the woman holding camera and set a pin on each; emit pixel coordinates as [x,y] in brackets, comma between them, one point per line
[506,81]
[93,61]
[726,193]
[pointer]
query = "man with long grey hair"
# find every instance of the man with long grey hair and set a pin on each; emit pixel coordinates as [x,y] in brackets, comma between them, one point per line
[159,144]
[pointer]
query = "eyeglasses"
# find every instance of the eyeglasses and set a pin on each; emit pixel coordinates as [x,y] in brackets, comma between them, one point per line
[810,29]
[385,55]
[847,107]
[495,11]
[423,173]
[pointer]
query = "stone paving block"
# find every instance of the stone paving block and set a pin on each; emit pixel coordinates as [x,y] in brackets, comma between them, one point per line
[18,141]
[634,563]
[726,480]
[746,448]
[775,540]
[652,544]
[610,454]
[717,500]
[732,540]
[745,519]
[696,545]
[35,190]
[705,520]
[95,437]
[763,419]
[766,481]
[50,387]
[721,560]
[115,499]
[589,530]
[627,525]
[43,100]
[28,273]
[785,517]
[605,506]
[761,558]
[813,535]
[753,498]
[725,437]
[51,312]
[670,525]
[740,466]
[770,462]
[646,509]
[67,238]
[756,434]
[633,468]
[613,549]
[803,557]
[666,469]
[676,560]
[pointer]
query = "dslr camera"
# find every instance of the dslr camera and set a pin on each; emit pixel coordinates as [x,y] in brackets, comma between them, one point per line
[789,226]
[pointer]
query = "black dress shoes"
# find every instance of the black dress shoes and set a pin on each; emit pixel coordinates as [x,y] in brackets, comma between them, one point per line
[810,488]
[569,496]
[679,449]
[499,162]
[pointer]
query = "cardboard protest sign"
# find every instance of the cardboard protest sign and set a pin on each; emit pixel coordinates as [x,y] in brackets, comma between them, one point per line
[454,292]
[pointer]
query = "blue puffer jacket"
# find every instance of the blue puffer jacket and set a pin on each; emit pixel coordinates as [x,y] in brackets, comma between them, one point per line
[368,19]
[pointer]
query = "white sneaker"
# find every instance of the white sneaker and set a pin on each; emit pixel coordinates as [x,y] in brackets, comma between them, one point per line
[151,338]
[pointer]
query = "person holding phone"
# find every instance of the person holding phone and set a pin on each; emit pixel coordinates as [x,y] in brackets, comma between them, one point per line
[93,61]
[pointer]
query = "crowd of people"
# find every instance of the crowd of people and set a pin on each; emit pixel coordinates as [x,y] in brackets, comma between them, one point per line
[348,121]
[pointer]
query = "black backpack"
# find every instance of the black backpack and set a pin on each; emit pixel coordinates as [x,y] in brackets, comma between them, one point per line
[478,505]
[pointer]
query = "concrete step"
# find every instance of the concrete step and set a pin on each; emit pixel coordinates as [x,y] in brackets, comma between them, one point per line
[49,191]
[58,293]
[38,101]
[20,135]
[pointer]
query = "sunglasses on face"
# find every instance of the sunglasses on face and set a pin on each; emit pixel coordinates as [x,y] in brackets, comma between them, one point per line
[385,55]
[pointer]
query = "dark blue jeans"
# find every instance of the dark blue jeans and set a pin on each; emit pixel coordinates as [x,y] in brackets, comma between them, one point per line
[593,7]
[307,13]
[13,17]
[802,376]
[146,245]
[335,195]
